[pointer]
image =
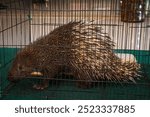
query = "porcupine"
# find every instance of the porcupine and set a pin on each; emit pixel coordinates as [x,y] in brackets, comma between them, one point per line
[81,46]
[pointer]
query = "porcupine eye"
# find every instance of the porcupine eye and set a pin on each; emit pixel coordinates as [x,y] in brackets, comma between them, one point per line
[20,67]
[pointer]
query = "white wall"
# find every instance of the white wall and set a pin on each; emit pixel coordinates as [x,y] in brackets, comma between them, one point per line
[14,29]
[125,35]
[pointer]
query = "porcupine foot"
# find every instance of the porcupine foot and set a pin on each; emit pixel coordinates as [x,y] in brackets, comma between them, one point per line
[42,85]
[83,84]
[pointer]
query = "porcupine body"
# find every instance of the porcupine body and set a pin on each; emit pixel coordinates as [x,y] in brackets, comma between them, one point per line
[82,47]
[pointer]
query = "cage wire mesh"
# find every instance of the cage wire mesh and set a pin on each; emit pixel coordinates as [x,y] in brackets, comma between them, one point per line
[127,23]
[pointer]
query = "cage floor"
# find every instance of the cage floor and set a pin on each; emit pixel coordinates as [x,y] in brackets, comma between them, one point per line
[68,89]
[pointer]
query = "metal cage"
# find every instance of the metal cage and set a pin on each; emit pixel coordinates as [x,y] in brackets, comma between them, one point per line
[23,21]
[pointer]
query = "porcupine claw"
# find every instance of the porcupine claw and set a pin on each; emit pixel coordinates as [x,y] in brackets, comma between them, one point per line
[42,85]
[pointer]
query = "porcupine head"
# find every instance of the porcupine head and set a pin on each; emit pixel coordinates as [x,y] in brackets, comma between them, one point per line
[22,66]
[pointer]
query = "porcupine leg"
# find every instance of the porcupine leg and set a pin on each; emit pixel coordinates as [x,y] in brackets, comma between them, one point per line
[49,73]
[42,84]
[84,84]
[81,80]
